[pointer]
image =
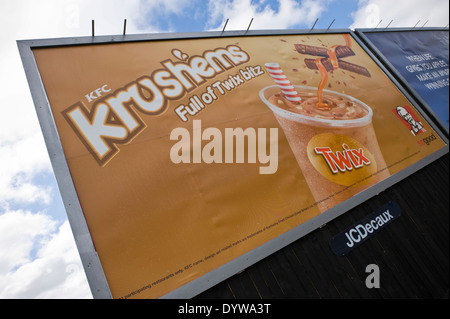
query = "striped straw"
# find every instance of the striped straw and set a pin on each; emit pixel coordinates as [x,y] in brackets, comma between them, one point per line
[283,83]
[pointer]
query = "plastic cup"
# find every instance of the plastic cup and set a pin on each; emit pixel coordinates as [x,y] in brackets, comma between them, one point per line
[308,135]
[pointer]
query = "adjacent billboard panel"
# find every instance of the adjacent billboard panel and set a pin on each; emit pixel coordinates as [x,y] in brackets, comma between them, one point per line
[184,160]
[421,58]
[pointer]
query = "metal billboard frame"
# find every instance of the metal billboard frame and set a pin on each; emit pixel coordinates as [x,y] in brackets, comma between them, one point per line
[89,257]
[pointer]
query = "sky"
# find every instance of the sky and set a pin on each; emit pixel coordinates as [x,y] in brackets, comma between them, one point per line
[38,256]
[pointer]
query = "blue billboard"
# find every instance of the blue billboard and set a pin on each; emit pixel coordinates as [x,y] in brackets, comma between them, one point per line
[421,57]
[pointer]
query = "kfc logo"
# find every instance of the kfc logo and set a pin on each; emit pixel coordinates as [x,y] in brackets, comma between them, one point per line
[406,114]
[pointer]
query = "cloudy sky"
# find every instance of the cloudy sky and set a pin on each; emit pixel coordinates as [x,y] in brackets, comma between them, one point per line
[38,257]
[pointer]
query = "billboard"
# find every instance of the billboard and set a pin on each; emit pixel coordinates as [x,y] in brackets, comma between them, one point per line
[421,59]
[183,159]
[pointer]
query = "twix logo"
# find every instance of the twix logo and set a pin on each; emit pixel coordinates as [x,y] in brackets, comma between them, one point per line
[114,119]
[344,160]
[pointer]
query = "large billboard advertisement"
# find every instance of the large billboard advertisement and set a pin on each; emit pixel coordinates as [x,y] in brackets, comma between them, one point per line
[421,58]
[187,154]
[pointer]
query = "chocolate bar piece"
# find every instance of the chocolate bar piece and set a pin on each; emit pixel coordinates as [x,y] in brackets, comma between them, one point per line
[342,51]
[311,64]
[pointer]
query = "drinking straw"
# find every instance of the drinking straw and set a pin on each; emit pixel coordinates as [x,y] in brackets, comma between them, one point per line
[283,83]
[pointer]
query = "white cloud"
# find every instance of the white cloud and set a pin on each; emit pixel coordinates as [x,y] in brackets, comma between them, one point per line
[403,13]
[21,160]
[18,230]
[38,260]
[68,18]
[290,13]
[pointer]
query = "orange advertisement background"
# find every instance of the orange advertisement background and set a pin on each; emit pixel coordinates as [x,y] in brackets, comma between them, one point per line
[157,225]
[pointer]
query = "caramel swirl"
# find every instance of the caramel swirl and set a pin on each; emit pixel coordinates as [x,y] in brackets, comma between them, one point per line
[321,104]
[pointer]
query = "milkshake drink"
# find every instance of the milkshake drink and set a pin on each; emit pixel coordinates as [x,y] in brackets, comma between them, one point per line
[333,141]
